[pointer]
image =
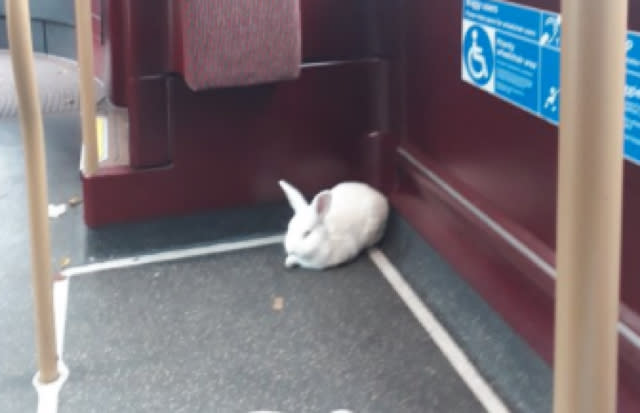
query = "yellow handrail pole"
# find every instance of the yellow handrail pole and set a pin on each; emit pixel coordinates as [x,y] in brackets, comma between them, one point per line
[590,173]
[19,31]
[84,44]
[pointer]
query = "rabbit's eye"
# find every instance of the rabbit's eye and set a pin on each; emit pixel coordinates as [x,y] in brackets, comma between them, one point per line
[306,233]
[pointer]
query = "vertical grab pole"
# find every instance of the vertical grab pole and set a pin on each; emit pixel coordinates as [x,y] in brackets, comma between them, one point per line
[19,31]
[590,172]
[84,43]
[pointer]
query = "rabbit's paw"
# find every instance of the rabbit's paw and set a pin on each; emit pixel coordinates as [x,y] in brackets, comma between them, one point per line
[290,261]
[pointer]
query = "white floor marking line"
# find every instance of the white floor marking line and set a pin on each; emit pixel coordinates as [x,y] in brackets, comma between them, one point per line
[60,299]
[627,332]
[540,262]
[454,354]
[173,255]
[273,411]
[48,394]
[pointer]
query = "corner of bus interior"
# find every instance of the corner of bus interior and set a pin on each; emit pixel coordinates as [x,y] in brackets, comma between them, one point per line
[322,206]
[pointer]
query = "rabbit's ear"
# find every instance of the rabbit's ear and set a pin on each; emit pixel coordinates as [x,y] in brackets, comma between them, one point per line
[296,200]
[321,203]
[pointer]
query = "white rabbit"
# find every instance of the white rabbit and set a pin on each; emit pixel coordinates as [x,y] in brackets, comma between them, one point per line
[336,226]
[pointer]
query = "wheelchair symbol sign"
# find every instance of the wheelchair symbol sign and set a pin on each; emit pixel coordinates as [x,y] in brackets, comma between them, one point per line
[478,56]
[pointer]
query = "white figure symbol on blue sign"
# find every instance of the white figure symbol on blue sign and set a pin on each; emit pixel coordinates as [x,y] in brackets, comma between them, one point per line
[552,99]
[475,54]
[551,33]
[478,55]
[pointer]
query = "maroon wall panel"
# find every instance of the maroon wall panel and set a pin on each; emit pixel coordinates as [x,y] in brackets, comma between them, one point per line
[500,154]
[505,161]
[147,37]
[148,122]
[350,34]
[145,28]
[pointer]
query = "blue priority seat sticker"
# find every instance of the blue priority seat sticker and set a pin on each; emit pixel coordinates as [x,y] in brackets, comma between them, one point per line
[513,52]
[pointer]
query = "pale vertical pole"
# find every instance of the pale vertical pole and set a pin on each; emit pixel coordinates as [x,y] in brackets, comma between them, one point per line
[84,43]
[589,205]
[19,31]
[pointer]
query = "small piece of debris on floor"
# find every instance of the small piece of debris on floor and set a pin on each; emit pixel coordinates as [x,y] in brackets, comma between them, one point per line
[55,211]
[278,303]
[74,201]
[64,262]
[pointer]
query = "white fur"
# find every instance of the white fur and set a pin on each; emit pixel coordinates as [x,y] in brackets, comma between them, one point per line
[336,226]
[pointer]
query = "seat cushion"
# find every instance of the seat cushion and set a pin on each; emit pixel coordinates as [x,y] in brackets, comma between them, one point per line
[229,43]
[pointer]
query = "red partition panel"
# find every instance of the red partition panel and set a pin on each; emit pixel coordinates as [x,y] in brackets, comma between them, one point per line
[114,51]
[230,147]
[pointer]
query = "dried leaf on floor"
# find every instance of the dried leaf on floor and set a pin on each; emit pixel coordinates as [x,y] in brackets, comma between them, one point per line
[64,263]
[278,303]
[75,201]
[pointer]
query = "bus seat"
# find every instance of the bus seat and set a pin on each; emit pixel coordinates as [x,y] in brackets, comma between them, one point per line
[228,43]
[144,38]
[186,130]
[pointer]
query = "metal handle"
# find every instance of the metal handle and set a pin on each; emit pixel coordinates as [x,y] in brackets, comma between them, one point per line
[19,31]
[84,43]
[589,205]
